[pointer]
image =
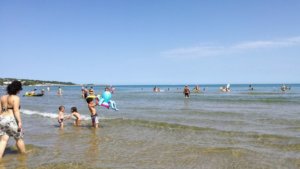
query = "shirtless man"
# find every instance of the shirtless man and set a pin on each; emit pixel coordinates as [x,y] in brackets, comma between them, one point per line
[94,115]
[186,91]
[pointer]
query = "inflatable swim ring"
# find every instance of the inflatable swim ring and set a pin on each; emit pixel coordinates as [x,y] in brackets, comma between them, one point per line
[91,96]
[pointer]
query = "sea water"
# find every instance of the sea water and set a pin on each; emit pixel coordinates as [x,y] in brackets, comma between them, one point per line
[241,129]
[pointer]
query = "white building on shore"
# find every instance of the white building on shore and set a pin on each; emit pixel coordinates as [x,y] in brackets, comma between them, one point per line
[7,82]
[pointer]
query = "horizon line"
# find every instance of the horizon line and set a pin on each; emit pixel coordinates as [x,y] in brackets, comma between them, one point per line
[137,84]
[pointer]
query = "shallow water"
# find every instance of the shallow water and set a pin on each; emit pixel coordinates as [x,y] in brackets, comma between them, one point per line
[241,129]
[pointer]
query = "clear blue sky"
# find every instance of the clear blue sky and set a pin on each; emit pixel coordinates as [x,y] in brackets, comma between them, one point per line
[151,42]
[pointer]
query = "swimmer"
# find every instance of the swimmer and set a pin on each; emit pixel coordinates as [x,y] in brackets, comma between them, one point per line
[285,88]
[225,88]
[197,89]
[251,88]
[84,92]
[32,92]
[42,91]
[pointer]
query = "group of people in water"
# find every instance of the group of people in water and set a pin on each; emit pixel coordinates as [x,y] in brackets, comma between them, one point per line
[156,89]
[285,88]
[61,116]
[223,89]
[92,101]
[42,92]
[85,92]
[11,121]
[35,93]
[10,117]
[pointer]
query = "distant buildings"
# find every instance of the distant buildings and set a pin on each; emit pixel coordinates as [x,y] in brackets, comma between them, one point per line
[7,82]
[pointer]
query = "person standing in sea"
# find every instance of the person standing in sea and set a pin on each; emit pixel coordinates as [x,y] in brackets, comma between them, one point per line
[84,92]
[94,115]
[10,118]
[186,92]
[59,91]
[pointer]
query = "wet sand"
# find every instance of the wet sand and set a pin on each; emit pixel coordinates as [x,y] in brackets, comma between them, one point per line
[138,144]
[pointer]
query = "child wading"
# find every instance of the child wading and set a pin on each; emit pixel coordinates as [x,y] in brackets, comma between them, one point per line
[77,116]
[61,116]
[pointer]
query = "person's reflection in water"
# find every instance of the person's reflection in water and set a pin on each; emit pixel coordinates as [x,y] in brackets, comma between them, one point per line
[93,150]
[2,166]
[19,161]
[59,143]
[186,103]
[22,159]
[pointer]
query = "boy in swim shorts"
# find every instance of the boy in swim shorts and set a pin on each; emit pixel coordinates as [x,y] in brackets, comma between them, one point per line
[94,115]
[61,116]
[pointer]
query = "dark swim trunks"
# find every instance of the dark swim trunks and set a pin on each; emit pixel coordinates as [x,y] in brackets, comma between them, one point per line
[95,118]
[60,120]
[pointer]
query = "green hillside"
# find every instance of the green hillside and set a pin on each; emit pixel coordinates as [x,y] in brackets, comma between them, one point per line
[28,82]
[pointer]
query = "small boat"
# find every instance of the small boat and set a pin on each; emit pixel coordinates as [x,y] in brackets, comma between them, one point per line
[33,95]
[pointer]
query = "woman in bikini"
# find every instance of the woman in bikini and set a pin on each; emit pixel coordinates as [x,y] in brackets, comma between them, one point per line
[10,118]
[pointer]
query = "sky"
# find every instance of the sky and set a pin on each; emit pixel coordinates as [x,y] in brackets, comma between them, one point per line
[151,42]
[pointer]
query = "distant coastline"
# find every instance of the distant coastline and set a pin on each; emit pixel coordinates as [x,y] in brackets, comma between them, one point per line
[30,82]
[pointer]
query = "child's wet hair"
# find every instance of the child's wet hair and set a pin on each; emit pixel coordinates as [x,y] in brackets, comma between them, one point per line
[74,109]
[60,108]
[89,100]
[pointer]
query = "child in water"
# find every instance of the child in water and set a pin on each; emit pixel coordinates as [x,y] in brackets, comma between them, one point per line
[75,114]
[94,115]
[61,116]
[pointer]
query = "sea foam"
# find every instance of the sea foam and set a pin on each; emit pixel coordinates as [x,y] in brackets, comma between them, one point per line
[49,114]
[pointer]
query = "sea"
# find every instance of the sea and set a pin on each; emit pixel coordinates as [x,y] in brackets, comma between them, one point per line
[241,129]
